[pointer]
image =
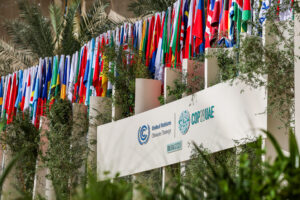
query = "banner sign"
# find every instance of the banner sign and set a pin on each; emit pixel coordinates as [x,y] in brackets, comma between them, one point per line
[214,117]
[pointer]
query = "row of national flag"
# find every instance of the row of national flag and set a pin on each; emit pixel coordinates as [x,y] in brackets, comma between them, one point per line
[183,31]
[75,78]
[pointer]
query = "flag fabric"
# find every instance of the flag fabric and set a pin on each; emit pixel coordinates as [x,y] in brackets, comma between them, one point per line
[154,44]
[238,10]
[1,94]
[11,102]
[46,87]
[28,90]
[19,92]
[54,81]
[63,89]
[90,73]
[189,31]
[96,77]
[199,27]
[3,114]
[263,11]
[37,92]
[72,76]
[176,29]
[158,59]
[209,30]
[246,15]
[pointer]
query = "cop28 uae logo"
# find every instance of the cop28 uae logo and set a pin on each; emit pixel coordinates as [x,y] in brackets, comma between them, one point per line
[184,122]
[144,134]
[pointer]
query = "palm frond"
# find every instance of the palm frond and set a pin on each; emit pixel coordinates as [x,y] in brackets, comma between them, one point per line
[32,30]
[56,21]
[12,59]
[69,44]
[95,21]
[146,7]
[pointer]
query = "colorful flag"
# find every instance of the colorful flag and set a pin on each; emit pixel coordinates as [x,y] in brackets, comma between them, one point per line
[19,92]
[63,89]
[246,15]
[175,31]
[54,81]
[154,44]
[90,73]
[28,90]
[96,77]
[158,59]
[1,93]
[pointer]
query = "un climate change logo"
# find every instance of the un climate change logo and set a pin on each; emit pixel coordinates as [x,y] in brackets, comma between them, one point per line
[184,122]
[144,134]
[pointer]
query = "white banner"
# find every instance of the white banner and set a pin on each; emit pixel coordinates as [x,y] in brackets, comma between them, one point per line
[214,117]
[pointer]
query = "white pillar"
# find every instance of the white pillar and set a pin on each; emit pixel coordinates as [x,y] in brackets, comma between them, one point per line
[170,76]
[147,92]
[99,113]
[79,135]
[39,188]
[9,190]
[274,125]
[211,71]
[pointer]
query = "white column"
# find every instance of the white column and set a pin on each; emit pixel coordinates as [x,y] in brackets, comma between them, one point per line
[79,135]
[211,70]
[99,113]
[274,125]
[41,172]
[147,92]
[170,76]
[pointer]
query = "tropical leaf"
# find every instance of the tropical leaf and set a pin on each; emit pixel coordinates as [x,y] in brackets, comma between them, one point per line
[94,21]
[275,144]
[146,7]
[56,21]
[12,59]
[32,30]
[69,44]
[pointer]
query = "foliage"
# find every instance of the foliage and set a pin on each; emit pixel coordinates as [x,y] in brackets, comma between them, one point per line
[187,83]
[12,59]
[268,63]
[34,35]
[9,167]
[66,151]
[238,173]
[122,75]
[146,7]
[22,136]
[107,189]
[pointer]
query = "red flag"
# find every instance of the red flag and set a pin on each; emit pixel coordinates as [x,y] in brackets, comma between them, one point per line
[150,31]
[79,83]
[223,30]
[215,21]
[12,100]
[6,105]
[96,78]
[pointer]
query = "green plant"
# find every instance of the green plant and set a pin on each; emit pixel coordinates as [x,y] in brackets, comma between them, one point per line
[66,152]
[107,189]
[187,83]
[146,7]
[122,75]
[9,167]
[22,136]
[267,63]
